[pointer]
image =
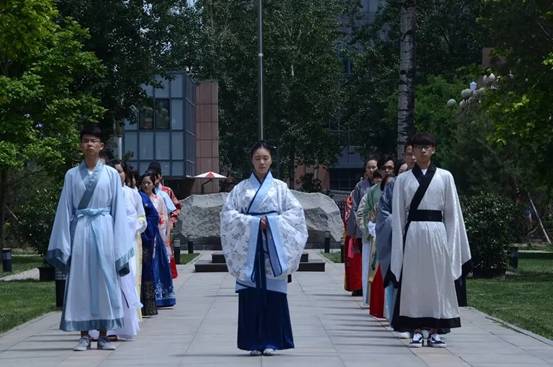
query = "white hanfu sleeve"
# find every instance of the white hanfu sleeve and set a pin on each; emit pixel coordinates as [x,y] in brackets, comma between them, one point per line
[236,231]
[123,248]
[457,239]
[289,233]
[398,226]
[59,248]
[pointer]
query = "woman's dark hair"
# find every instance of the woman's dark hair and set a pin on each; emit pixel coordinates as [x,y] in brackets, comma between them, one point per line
[133,173]
[423,139]
[384,181]
[152,176]
[93,130]
[262,144]
[123,164]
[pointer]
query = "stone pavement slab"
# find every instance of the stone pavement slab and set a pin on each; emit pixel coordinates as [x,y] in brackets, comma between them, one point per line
[330,327]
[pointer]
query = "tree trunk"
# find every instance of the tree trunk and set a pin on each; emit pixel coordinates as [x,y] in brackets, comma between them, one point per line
[3,188]
[407,67]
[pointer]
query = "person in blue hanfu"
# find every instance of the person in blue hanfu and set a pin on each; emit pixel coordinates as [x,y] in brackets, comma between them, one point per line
[263,234]
[89,243]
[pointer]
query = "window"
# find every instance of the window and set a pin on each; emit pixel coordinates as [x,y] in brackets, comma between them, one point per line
[131,145]
[162,114]
[146,116]
[163,145]
[177,117]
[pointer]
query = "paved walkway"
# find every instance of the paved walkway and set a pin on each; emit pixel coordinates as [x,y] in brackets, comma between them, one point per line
[330,329]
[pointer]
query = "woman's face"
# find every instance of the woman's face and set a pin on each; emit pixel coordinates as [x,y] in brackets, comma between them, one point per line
[121,173]
[261,161]
[147,185]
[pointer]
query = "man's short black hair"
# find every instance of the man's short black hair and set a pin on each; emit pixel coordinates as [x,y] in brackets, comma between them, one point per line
[155,167]
[423,139]
[93,130]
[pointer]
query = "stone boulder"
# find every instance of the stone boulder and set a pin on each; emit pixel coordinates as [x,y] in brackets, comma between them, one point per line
[199,217]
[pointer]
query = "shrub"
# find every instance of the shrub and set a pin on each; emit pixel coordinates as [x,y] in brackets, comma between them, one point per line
[492,222]
[37,217]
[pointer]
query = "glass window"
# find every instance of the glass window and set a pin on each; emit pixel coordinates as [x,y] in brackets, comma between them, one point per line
[190,168]
[146,145]
[146,115]
[162,113]
[177,145]
[177,168]
[163,145]
[165,168]
[130,125]
[148,89]
[176,114]
[130,145]
[163,90]
[143,167]
[176,86]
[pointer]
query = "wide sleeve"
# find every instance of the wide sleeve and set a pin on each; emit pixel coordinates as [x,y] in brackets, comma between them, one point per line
[140,213]
[59,247]
[398,227]
[383,227]
[124,249]
[457,239]
[288,232]
[175,213]
[360,215]
[239,233]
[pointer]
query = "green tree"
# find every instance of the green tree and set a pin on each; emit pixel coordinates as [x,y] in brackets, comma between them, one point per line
[520,109]
[46,91]
[136,40]
[302,77]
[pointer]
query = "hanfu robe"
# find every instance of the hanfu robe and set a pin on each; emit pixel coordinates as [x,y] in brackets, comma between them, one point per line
[352,251]
[429,248]
[383,242]
[89,241]
[149,238]
[163,282]
[373,288]
[261,260]
[136,222]
[173,218]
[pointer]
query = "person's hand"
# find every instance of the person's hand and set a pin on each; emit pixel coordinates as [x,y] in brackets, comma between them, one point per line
[263,223]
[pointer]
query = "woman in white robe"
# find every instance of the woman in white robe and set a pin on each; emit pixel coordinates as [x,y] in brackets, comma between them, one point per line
[263,234]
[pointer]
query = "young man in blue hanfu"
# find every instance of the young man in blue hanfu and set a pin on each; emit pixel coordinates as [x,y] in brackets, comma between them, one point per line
[89,243]
[263,234]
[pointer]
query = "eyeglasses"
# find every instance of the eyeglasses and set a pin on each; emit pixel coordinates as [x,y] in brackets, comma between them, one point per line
[425,147]
[389,167]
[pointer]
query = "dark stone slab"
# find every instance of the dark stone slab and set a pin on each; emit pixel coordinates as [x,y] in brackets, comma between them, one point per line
[206,266]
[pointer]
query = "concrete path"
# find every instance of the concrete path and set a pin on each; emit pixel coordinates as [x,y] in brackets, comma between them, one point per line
[330,329]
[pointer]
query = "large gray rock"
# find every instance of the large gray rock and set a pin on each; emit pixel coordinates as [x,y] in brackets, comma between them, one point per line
[199,217]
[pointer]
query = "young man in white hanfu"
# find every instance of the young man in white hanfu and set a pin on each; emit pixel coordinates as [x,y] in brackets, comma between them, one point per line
[89,242]
[429,247]
[263,234]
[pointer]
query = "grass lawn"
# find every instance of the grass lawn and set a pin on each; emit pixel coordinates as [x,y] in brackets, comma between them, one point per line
[185,258]
[21,263]
[21,301]
[524,299]
[333,256]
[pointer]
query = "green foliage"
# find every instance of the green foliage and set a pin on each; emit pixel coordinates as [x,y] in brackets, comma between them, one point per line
[136,41]
[36,216]
[520,109]
[492,223]
[309,183]
[302,75]
[44,76]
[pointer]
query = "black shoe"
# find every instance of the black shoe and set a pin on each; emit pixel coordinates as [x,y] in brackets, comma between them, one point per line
[357,293]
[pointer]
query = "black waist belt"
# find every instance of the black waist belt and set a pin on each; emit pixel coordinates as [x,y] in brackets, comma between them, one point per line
[426,216]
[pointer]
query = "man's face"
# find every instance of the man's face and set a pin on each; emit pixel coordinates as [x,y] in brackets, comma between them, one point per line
[423,153]
[389,167]
[371,166]
[91,146]
[409,156]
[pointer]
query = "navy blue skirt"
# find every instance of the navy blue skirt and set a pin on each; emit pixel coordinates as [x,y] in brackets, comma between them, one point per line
[263,320]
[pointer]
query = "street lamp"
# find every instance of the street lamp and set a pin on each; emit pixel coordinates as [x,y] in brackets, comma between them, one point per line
[260,65]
